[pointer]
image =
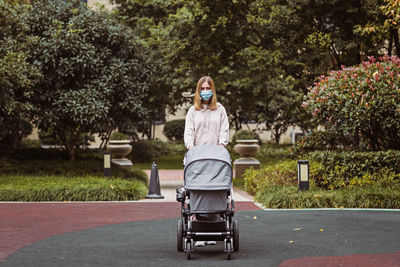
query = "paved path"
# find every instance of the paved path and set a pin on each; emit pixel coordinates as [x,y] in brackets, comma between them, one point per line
[172,179]
[143,233]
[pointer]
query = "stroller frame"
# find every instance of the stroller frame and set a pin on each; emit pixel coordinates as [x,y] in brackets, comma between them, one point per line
[223,228]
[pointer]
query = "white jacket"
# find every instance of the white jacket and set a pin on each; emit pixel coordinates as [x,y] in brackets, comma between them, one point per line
[206,126]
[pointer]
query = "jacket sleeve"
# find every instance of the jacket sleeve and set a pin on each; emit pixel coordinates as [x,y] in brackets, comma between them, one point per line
[224,128]
[189,129]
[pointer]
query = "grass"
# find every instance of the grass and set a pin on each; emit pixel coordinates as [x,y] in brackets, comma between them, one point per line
[60,188]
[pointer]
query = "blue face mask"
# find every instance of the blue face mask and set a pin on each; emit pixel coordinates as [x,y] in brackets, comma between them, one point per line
[206,95]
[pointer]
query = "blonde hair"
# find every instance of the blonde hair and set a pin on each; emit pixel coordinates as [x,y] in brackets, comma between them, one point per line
[197,99]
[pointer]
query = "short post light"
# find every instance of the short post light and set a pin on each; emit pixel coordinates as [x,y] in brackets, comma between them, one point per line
[107,163]
[303,174]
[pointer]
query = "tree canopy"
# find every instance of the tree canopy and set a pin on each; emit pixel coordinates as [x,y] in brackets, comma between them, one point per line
[94,78]
[262,54]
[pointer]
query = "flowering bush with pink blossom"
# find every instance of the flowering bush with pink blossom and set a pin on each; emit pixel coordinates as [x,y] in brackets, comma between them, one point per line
[361,103]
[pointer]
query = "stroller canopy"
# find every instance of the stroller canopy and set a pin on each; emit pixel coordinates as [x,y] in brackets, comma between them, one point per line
[208,168]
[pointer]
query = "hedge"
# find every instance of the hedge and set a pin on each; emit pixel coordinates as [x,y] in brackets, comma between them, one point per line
[288,197]
[56,188]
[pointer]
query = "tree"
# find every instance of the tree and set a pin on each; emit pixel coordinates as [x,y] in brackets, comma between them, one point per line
[17,76]
[383,24]
[263,54]
[95,79]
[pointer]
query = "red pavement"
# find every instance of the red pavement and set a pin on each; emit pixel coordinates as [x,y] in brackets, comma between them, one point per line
[24,223]
[376,260]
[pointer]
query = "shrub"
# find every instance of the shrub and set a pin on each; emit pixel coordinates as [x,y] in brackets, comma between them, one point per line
[30,143]
[147,150]
[287,197]
[78,168]
[351,168]
[283,173]
[55,188]
[361,103]
[174,130]
[118,136]
[320,140]
[246,135]
[50,137]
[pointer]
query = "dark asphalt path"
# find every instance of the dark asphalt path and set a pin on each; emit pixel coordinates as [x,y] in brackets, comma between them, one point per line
[267,238]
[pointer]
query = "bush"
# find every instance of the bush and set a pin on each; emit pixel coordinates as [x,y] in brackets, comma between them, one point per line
[118,136]
[331,170]
[283,173]
[321,140]
[174,130]
[30,143]
[49,137]
[272,153]
[147,150]
[360,103]
[246,135]
[55,188]
[77,168]
[289,197]
[351,168]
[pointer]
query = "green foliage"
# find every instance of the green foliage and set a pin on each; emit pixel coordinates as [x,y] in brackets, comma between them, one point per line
[56,188]
[49,137]
[344,169]
[283,173]
[30,143]
[246,135]
[321,140]
[174,130]
[148,150]
[289,197]
[44,162]
[361,103]
[17,75]
[272,153]
[96,79]
[118,136]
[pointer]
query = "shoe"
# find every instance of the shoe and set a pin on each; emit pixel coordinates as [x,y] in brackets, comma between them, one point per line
[211,242]
[200,243]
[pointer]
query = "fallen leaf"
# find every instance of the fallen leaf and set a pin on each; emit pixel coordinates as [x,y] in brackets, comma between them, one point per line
[321,230]
[297,229]
[291,241]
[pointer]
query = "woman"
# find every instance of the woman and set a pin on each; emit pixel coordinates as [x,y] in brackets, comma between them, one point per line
[206,121]
[206,124]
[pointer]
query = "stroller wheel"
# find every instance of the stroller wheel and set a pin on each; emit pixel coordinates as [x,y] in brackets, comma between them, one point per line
[188,250]
[235,235]
[228,250]
[179,236]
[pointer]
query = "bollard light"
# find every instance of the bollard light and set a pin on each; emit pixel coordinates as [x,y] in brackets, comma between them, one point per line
[303,174]
[107,163]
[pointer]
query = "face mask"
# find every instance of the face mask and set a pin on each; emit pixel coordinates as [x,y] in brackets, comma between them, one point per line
[206,95]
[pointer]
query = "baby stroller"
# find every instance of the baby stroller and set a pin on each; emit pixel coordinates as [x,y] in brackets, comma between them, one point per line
[207,193]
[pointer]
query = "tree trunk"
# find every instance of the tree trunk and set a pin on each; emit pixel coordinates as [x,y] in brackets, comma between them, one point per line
[277,135]
[396,41]
[71,152]
[390,42]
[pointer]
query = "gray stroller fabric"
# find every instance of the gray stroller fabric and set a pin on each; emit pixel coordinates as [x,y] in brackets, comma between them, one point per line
[208,168]
[208,178]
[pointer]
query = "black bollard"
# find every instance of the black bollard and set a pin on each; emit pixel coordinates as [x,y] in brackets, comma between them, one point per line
[154,185]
